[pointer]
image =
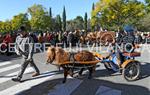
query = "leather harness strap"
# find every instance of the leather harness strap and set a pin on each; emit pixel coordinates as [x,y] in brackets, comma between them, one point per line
[71,57]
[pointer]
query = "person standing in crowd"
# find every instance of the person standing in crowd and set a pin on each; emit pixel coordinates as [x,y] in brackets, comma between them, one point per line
[70,38]
[139,38]
[56,38]
[24,46]
[48,37]
[7,40]
[1,38]
[41,40]
[119,38]
[52,39]
[13,36]
[45,37]
[64,38]
[60,36]
[76,37]
[34,37]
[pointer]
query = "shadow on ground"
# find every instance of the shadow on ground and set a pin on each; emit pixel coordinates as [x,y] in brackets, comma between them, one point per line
[12,56]
[90,86]
[4,58]
[145,72]
[87,87]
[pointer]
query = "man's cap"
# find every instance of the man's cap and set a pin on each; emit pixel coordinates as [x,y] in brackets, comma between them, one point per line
[129,28]
[22,28]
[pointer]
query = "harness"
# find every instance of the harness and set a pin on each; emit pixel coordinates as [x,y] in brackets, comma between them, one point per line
[71,57]
[75,64]
[72,60]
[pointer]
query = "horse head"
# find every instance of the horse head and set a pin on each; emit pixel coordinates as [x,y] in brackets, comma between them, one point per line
[51,55]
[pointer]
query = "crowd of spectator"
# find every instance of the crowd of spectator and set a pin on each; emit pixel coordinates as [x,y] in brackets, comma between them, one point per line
[54,38]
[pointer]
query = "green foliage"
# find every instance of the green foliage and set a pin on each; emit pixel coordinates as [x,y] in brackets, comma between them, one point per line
[93,21]
[147,2]
[145,23]
[5,26]
[85,22]
[64,19]
[93,7]
[116,14]
[77,23]
[40,20]
[58,23]
[15,23]
[19,20]
[50,12]
[105,13]
[70,25]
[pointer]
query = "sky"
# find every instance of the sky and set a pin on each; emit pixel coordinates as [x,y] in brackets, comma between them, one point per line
[10,8]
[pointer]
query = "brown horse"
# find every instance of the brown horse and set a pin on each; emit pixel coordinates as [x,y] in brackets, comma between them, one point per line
[66,59]
[100,37]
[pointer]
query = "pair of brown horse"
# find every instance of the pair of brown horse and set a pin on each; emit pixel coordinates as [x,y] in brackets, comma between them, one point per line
[68,61]
[100,37]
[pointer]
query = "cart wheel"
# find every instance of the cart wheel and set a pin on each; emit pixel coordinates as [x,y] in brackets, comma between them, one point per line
[108,66]
[132,71]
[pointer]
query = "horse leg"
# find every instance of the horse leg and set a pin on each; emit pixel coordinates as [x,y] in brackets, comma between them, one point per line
[90,72]
[94,68]
[71,72]
[81,71]
[65,74]
[58,67]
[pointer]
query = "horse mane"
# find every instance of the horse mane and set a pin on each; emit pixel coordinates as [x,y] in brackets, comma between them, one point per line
[61,55]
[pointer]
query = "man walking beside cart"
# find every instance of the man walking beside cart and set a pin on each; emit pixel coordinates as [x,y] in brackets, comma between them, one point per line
[25,47]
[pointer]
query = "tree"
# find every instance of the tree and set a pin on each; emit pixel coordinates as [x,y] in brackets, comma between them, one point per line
[114,15]
[70,25]
[147,2]
[5,26]
[79,23]
[40,20]
[1,24]
[145,23]
[8,26]
[93,18]
[20,20]
[50,12]
[93,7]
[85,22]
[51,19]
[89,25]
[58,23]
[64,19]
